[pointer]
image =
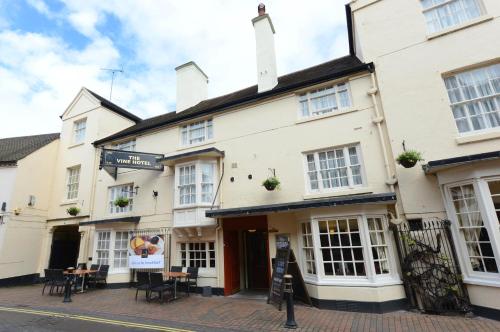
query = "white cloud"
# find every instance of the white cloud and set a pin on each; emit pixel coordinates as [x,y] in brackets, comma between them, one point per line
[46,72]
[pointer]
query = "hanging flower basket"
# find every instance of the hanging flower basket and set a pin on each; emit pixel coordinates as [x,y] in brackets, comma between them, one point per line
[409,159]
[271,183]
[73,211]
[121,202]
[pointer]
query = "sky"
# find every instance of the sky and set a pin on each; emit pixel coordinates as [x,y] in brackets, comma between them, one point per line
[49,49]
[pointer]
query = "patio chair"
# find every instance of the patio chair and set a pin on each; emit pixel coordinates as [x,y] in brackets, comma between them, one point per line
[157,285]
[100,276]
[143,284]
[191,280]
[94,267]
[57,276]
[47,279]
[175,268]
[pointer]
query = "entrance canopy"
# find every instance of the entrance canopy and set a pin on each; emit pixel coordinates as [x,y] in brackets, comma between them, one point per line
[435,166]
[134,220]
[172,160]
[306,204]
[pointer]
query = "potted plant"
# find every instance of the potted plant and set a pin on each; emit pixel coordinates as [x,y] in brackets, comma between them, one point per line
[409,158]
[121,201]
[73,211]
[271,183]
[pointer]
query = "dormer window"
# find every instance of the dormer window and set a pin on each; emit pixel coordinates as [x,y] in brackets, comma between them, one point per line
[196,132]
[79,128]
[327,100]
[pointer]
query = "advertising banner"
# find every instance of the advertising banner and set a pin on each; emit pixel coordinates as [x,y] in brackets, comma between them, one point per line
[146,252]
[131,159]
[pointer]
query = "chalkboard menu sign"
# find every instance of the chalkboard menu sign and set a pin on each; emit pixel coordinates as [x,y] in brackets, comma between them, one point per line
[282,241]
[277,281]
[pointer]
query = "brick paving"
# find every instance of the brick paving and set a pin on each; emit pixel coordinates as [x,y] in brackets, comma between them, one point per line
[222,313]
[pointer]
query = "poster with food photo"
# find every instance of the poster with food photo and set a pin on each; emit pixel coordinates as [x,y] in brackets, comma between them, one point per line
[146,251]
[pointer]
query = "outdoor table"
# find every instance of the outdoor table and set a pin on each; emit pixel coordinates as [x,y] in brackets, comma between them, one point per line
[81,273]
[175,276]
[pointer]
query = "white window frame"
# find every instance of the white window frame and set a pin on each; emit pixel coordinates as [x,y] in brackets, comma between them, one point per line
[321,188]
[126,145]
[335,89]
[490,223]
[186,133]
[70,181]
[207,254]
[446,5]
[303,258]
[198,182]
[493,98]
[371,277]
[111,249]
[128,190]
[79,133]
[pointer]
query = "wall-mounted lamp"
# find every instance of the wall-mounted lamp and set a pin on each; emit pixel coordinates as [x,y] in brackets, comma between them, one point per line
[155,193]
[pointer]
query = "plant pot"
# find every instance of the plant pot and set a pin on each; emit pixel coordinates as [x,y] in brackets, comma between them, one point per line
[122,204]
[73,211]
[407,163]
[269,186]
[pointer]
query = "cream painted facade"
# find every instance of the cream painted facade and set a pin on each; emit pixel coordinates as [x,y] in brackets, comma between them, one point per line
[413,62]
[22,226]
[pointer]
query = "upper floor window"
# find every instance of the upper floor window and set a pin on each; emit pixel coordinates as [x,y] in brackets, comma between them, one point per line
[197,132]
[125,191]
[334,169]
[72,182]
[126,146]
[195,183]
[325,100]
[79,128]
[475,98]
[443,14]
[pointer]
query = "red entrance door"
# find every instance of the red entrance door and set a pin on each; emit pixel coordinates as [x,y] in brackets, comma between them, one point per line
[231,262]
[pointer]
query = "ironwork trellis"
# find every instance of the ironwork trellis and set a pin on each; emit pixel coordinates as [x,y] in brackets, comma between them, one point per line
[431,274]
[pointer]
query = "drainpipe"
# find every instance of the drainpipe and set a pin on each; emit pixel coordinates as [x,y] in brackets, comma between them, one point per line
[218,256]
[391,179]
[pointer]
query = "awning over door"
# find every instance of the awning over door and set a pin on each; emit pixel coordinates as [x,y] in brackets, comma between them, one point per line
[209,152]
[134,220]
[435,166]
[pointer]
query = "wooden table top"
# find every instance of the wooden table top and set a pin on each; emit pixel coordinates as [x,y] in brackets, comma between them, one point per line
[176,274]
[80,272]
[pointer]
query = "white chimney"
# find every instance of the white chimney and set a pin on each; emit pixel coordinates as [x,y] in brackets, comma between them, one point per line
[267,77]
[192,86]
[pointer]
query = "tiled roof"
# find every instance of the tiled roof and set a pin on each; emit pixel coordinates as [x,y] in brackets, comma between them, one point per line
[321,73]
[115,108]
[13,149]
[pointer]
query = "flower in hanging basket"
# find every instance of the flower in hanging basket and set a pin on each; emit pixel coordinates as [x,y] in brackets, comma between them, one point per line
[73,211]
[271,183]
[409,158]
[121,201]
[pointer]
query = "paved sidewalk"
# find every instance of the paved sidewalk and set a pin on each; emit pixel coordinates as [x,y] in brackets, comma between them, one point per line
[222,313]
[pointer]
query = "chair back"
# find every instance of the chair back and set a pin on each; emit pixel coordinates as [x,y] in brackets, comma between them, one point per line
[57,274]
[103,270]
[156,279]
[94,267]
[193,273]
[174,268]
[142,278]
[48,274]
[81,266]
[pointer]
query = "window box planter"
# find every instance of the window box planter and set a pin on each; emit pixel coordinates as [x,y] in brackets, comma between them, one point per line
[73,211]
[121,202]
[409,159]
[271,183]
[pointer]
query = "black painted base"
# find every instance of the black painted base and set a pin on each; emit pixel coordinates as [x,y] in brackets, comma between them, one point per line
[358,306]
[28,279]
[486,312]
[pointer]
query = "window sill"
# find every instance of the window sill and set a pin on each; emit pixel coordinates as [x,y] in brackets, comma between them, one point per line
[327,115]
[484,136]
[195,206]
[187,147]
[69,202]
[75,145]
[343,192]
[493,282]
[354,282]
[465,25]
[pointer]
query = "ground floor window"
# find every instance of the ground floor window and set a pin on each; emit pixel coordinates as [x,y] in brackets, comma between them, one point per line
[111,248]
[197,254]
[353,247]
[474,207]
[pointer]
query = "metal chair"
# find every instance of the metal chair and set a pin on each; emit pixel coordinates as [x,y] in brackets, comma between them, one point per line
[57,276]
[47,280]
[100,276]
[175,268]
[143,284]
[157,285]
[191,279]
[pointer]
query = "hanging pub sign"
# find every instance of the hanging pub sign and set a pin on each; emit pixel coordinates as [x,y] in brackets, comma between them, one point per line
[130,159]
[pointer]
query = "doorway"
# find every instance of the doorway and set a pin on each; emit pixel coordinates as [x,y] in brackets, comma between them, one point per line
[246,255]
[65,247]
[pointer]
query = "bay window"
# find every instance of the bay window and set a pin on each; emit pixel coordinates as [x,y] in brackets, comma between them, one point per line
[124,191]
[347,248]
[196,132]
[337,168]
[111,248]
[443,14]
[197,254]
[326,100]
[195,183]
[475,98]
